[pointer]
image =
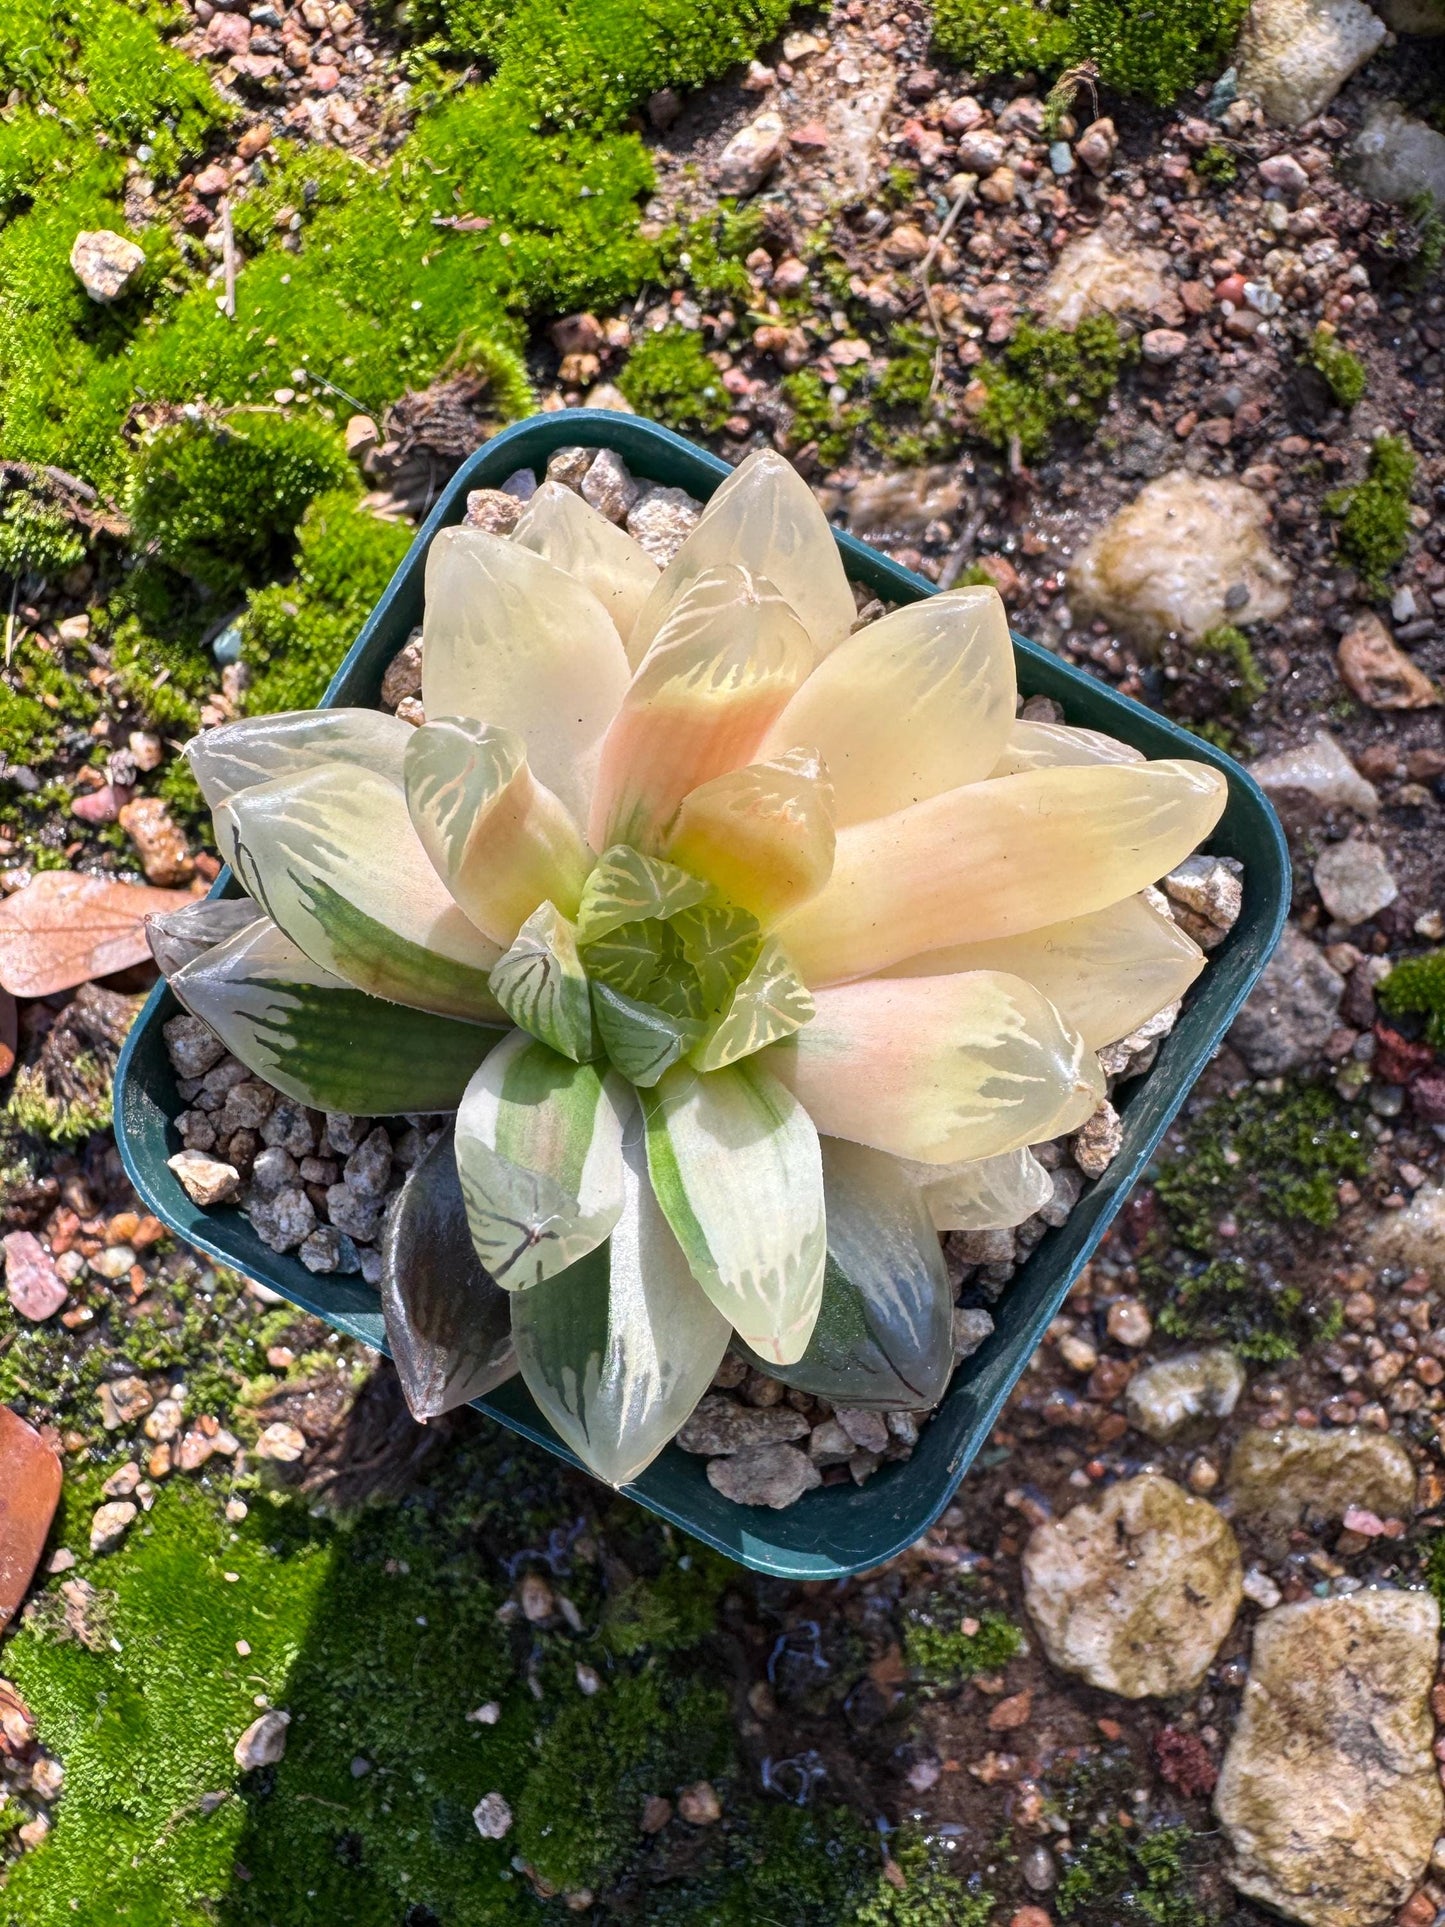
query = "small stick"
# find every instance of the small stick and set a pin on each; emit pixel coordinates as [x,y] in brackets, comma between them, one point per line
[925,269]
[228,255]
[10,621]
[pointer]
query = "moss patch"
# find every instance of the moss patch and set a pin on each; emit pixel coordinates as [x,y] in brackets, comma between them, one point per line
[297,632]
[1374,515]
[1268,1165]
[1344,372]
[1124,1878]
[1138,47]
[669,376]
[1048,379]
[219,498]
[943,1654]
[1416,988]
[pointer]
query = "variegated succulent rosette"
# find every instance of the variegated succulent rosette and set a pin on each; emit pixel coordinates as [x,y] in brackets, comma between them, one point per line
[751,948]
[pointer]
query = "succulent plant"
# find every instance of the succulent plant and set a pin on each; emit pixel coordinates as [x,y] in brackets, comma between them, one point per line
[750,947]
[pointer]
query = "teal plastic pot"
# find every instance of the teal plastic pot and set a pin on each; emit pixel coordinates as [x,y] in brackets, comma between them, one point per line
[835,1529]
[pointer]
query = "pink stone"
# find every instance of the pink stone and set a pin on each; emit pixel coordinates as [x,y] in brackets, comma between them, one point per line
[323,80]
[36,1288]
[101,806]
[211,181]
[229,33]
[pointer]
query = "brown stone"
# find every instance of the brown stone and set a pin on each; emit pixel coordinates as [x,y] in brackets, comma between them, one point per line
[29,1493]
[1379,673]
[158,840]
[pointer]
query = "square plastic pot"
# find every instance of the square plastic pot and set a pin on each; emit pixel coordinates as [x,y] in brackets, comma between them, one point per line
[835,1529]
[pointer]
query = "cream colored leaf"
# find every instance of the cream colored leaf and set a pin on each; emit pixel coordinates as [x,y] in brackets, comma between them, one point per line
[1056,745]
[259,749]
[998,858]
[983,1194]
[331,856]
[569,533]
[319,1039]
[761,835]
[1106,973]
[766,519]
[499,840]
[735,1164]
[619,1349]
[939,1069]
[514,642]
[918,702]
[539,1150]
[729,656]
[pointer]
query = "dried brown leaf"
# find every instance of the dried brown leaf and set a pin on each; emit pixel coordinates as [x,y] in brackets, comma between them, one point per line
[63,929]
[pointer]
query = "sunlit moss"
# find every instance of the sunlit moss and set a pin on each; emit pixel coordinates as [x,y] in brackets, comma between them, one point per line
[296,632]
[1416,987]
[1374,515]
[1047,379]
[1150,52]
[669,376]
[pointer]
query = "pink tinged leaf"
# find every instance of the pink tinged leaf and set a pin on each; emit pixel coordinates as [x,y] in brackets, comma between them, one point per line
[998,858]
[727,659]
[939,1069]
[918,702]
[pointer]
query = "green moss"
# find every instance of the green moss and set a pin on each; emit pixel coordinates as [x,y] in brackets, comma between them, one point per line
[942,1654]
[381,291]
[930,1896]
[32,1108]
[297,632]
[35,537]
[1124,1878]
[1217,163]
[669,377]
[1374,515]
[817,418]
[576,1819]
[1270,1163]
[220,499]
[42,689]
[1016,37]
[1248,680]
[1047,379]
[1140,47]
[1432,1566]
[145,1724]
[709,253]
[1416,987]
[1344,372]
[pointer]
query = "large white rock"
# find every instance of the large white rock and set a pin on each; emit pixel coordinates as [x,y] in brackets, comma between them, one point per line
[1165,563]
[1295,55]
[752,154]
[1396,158]
[1414,1238]
[1100,273]
[1322,769]
[1134,1590]
[1329,1794]
[1277,1477]
[105,263]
